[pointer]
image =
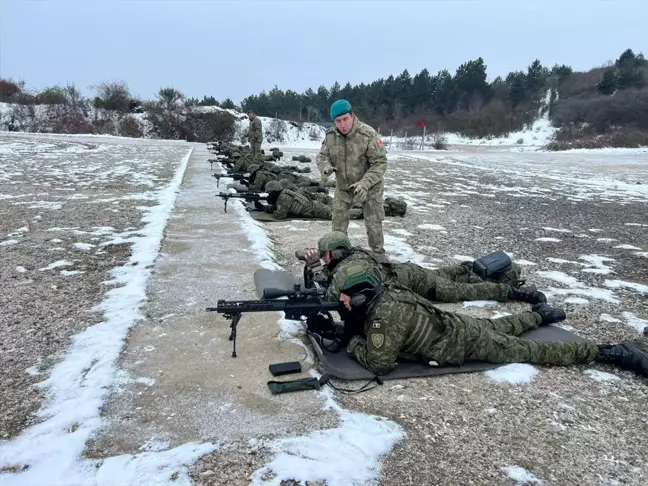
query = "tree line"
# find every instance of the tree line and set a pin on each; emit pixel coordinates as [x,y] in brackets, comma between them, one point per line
[464,101]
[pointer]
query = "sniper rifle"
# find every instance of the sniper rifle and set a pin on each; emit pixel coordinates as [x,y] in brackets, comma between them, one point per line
[248,196]
[301,304]
[238,176]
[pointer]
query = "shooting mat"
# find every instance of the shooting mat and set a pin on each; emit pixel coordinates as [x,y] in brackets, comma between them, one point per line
[269,218]
[342,365]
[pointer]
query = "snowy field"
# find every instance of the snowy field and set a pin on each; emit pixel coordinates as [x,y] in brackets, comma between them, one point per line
[83,220]
[578,225]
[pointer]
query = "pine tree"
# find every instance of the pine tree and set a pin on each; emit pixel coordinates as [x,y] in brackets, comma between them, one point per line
[608,83]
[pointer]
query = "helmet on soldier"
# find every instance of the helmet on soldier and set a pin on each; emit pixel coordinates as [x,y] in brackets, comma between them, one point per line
[252,168]
[333,241]
[359,277]
[273,186]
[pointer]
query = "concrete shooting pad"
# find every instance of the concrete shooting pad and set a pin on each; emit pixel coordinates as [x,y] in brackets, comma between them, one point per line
[342,365]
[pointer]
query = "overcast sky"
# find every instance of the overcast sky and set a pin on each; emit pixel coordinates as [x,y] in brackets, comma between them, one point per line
[236,48]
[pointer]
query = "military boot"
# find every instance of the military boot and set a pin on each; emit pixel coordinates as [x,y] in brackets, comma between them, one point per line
[549,314]
[528,294]
[629,355]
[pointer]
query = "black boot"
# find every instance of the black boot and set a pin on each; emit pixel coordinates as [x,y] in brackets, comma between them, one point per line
[528,294]
[629,355]
[549,314]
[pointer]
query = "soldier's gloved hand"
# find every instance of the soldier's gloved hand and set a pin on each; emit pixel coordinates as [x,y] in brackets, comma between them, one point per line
[312,255]
[268,208]
[356,341]
[360,191]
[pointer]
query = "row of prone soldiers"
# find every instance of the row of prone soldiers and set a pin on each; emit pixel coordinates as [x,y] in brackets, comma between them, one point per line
[290,194]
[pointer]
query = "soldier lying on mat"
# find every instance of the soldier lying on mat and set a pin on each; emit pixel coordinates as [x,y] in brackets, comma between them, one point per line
[286,199]
[399,323]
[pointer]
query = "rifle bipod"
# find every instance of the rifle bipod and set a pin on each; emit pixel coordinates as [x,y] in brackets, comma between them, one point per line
[235,319]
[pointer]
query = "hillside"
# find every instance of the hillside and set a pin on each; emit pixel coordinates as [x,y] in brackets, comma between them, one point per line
[605,106]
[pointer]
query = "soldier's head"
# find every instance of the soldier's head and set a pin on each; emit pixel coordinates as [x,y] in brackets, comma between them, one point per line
[333,247]
[251,115]
[273,186]
[343,116]
[252,168]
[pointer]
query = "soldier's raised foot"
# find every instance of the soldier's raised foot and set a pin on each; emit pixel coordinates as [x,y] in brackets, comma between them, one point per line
[549,314]
[528,294]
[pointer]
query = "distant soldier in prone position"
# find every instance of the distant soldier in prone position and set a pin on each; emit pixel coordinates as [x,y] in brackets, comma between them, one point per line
[283,203]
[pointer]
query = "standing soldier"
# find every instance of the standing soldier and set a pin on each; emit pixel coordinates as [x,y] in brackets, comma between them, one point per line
[255,134]
[355,152]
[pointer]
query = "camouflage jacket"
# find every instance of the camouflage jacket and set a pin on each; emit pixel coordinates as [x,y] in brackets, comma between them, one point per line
[260,178]
[401,324]
[255,132]
[359,155]
[296,203]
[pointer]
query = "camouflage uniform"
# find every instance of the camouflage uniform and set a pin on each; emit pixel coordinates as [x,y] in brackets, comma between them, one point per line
[300,204]
[244,162]
[260,178]
[293,203]
[308,191]
[453,283]
[399,323]
[255,136]
[358,157]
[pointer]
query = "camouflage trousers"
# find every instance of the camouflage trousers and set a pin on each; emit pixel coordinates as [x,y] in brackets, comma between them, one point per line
[372,211]
[255,148]
[454,283]
[295,204]
[496,341]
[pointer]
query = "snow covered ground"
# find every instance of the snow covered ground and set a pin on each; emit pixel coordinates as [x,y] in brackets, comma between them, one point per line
[575,224]
[177,409]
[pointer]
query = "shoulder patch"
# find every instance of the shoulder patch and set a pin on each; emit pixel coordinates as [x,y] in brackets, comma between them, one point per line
[377,340]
